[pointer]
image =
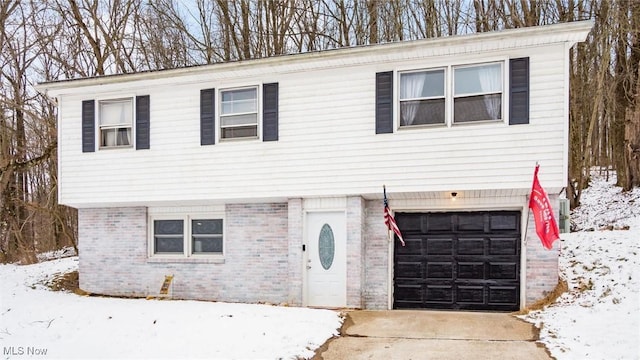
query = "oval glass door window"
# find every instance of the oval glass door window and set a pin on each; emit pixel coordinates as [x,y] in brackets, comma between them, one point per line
[326,246]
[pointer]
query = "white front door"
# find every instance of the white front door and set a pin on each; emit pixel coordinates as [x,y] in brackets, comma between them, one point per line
[326,262]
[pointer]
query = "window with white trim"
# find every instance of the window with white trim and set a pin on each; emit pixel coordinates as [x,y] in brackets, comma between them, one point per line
[422,97]
[451,95]
[239,113]
[477,93]
[116,122]
[185,236]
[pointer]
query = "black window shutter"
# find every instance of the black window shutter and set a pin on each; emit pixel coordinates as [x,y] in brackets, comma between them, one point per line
[384,102]
[519,91]
[207,116]
[270,112]
[88,126]
[142,122]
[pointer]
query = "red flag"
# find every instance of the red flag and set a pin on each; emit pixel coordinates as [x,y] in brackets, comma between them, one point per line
[389,220]
[546,226]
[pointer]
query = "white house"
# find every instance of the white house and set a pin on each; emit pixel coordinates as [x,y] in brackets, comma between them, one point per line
[261,180]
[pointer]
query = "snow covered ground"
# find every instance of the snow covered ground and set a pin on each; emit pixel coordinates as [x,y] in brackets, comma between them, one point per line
[598,318]
[38,323]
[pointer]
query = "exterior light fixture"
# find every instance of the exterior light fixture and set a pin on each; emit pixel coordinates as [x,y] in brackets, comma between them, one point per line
[453,196]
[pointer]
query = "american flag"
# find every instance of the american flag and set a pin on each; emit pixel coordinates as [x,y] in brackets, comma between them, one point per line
[389,221]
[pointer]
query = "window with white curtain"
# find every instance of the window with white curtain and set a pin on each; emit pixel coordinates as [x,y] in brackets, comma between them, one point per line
[116,122]
[422,98]
[477,93]
[239,113]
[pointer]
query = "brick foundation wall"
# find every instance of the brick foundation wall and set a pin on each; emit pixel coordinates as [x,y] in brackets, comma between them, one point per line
[541,264]
[113,256]
[113,251]
[263,256]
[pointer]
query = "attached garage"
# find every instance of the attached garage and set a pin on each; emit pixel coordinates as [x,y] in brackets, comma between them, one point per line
[458,261]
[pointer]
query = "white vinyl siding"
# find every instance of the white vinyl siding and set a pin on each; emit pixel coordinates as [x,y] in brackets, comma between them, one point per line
[327,143]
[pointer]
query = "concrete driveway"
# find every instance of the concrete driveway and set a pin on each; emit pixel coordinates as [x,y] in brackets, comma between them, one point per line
[409,334]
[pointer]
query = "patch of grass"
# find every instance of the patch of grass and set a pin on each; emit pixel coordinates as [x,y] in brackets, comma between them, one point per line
[585,286]
[65,282]
[549,299]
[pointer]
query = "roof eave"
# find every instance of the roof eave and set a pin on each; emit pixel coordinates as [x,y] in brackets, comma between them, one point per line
[572,33]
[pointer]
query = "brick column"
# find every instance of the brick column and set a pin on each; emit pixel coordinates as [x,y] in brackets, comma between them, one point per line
[295,251]
[376,270]
[541,264]
[355,251]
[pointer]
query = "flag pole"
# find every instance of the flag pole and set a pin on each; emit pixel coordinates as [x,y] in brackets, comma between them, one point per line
[389,232]
[526,226]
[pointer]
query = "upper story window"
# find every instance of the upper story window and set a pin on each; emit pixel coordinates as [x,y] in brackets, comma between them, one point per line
[116,122]
[239,113]
[477,93]
[422,98]
[474,94]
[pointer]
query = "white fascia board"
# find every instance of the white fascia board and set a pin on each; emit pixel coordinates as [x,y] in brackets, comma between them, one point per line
[572,32]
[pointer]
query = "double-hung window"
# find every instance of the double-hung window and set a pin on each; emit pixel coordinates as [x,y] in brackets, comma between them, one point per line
[116,122]
[187,236]
[451,95]
[477,93]
[422,98]
[239,113]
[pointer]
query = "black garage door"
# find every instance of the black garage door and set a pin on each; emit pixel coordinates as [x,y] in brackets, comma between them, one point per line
[458,260]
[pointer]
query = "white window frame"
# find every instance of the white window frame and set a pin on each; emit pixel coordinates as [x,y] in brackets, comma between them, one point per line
[443,97]
[187,252]
[220,115]
[450,93]
[100,127]
[453,96]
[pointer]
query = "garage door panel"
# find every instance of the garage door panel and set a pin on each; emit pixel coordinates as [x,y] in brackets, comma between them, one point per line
[439,246]
[439,270]
[503,222]
[413,246]
[470,246]
[471,222]
[471,270]
[410,292]
[438,223]
[410,222]
[504,295]
[442,294]
[504,246]
[470,295]
[505,271]
[410,270]
[458,260]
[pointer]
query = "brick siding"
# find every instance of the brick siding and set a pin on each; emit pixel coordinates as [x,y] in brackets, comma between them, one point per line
[113,256]
[296,239]
[541,264]
[376,253]
[355,249]
[263,256]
